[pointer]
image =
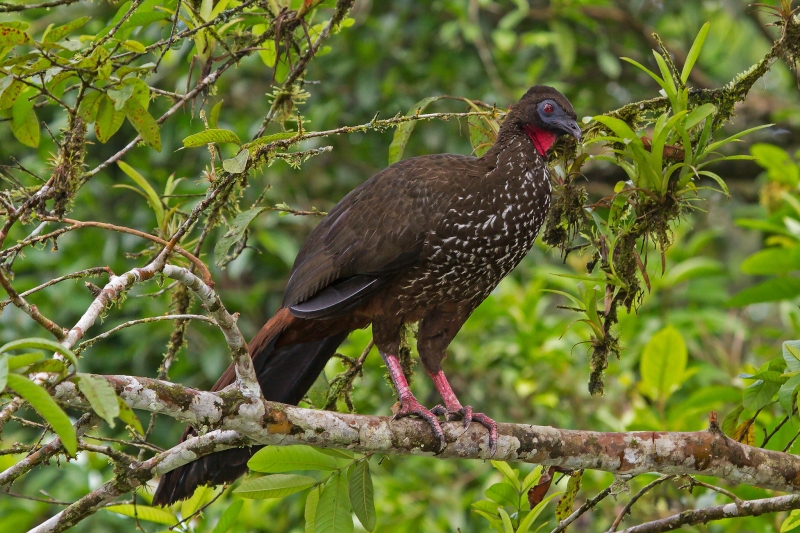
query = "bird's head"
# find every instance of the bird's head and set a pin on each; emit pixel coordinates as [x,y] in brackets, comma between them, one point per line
[543,114]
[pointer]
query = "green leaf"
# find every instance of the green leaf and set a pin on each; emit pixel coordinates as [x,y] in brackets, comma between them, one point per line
[791,355]
[698,114]
[503,493]
[238,164]
[779,165]
[527,522]
[252,146]
[772,261]
[144,512]
[731,421]
[508,527]
[619,128]
[89,106]
[274,459]
[58,33]
[211,136]
[143,123]
[3,372]
[361,494]
[787,393]
[333,511]
[692,268]
[267,48]
[200,497]
[40,344]
[213,117]
[11,37]
[19,361]
[24,123]
[403,131]
[120,95]
[134,46]
[792,521]
[101,396]
[235,233]
[108,121]
[152,196]
[663,363]
[773,290]
[479,135]
[11,93]
[761,392]
[565,504]
[46,406]
[504,467]
[694,52]
[531,479]
[274,486]
[310,510]
[228,517]
[127,415]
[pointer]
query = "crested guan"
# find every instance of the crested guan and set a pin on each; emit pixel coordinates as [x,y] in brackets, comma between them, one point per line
[426,239]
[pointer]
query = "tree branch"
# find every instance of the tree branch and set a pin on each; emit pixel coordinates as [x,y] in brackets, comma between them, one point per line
[719,512]
[708,453]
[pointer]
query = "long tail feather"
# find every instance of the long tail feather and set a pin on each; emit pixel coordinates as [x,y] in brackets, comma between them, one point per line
[285,373]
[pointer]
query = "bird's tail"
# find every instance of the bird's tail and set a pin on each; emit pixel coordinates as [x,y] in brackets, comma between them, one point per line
[285,373]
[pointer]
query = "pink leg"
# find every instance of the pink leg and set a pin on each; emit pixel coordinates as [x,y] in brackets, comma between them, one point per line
[408,403]
[453,410]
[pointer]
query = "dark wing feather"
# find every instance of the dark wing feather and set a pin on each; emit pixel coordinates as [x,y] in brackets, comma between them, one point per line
[377,230]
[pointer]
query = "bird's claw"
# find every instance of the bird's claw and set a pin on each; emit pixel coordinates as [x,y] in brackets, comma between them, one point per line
[465,413]
[410,406]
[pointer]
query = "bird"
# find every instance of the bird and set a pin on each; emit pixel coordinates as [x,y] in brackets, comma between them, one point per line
[424,241]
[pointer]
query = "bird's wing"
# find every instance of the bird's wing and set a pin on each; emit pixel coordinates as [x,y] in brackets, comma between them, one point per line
[377,230]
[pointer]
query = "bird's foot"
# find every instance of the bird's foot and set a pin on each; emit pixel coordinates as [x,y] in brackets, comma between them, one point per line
[465,413]
[410,406]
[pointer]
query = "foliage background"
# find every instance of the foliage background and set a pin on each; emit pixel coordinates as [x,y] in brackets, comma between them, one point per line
[517,359]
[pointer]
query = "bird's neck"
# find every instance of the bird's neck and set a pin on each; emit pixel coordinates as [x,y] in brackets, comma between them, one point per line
[516,151]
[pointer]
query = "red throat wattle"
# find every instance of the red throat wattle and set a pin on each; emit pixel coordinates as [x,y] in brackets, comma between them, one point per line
[542,139]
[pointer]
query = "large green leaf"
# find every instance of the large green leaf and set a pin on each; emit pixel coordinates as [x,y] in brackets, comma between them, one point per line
[3,371]
[761,392]
[274,486]
[787,393]
[362,496]
[773,290]
[403,131]
[792,522]
[144,512]
[200,497]
[503,467]
[152,196]
[663,363]
[59,32]
[211,136]
[791,355]
[108,120]
[503,493]
[772,261]
[101,396]
[273,459]
[310,509]
[333,511]
[47,407]
[694,52]
[143,123]
[228,518]
[41,344]
[24,123]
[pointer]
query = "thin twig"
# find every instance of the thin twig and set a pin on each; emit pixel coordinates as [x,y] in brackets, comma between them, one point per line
[87,343]
[627,509]
[587,505]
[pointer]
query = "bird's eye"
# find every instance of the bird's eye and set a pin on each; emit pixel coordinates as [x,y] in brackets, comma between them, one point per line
[548,108]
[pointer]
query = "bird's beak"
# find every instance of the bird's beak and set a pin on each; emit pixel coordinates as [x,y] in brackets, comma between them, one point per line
[568,125]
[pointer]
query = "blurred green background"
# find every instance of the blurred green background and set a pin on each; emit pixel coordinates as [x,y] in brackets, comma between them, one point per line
[519,358]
